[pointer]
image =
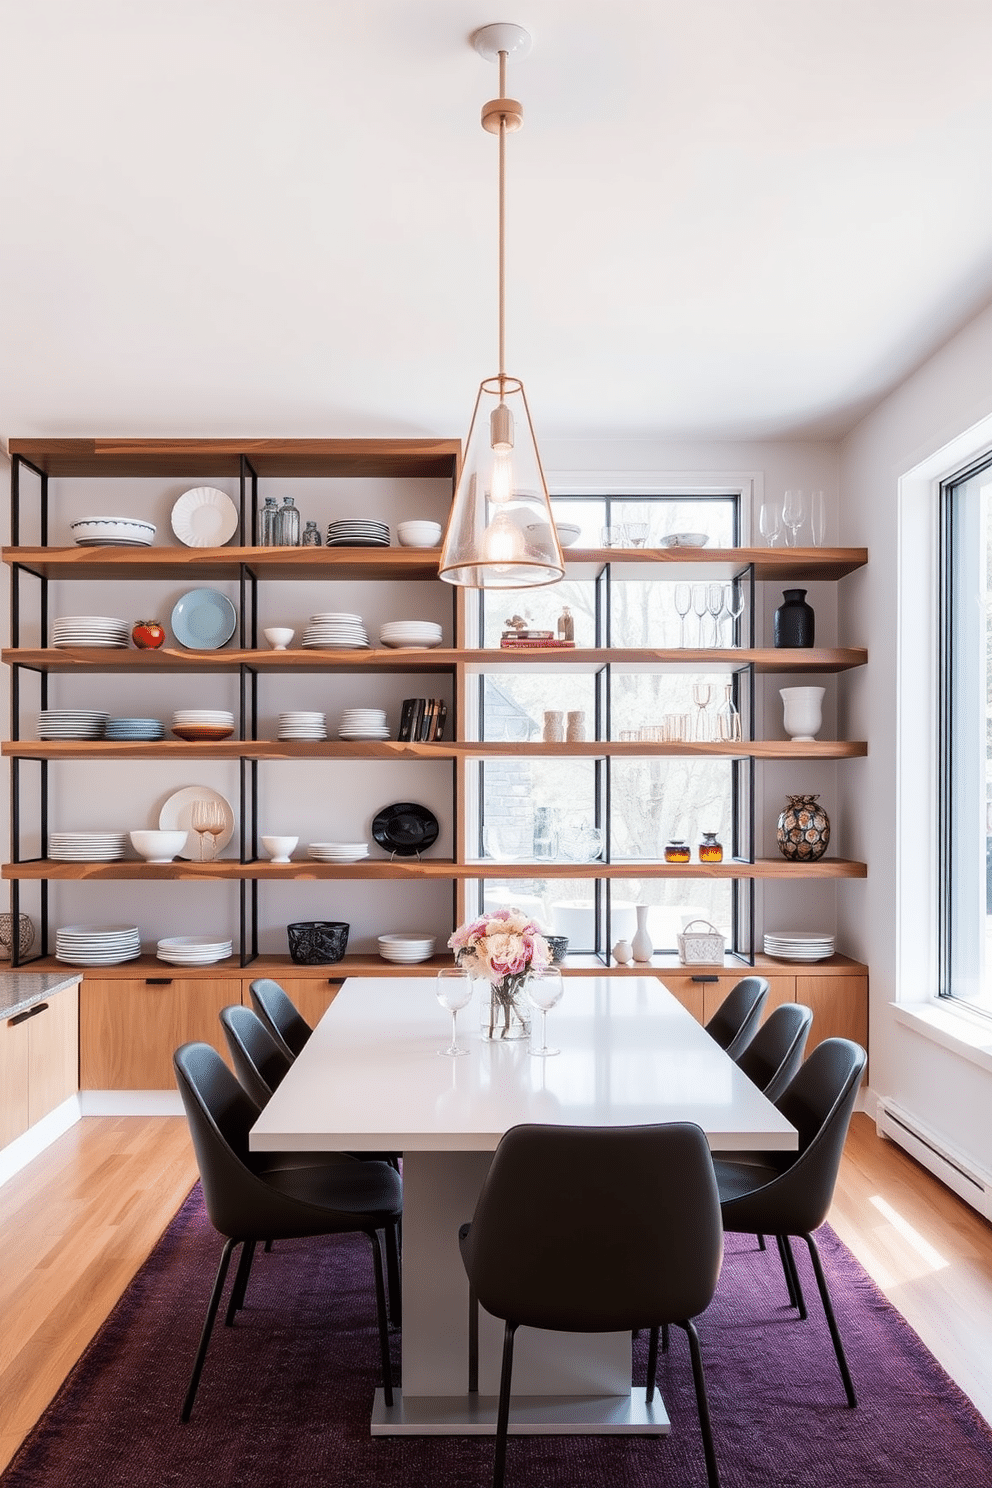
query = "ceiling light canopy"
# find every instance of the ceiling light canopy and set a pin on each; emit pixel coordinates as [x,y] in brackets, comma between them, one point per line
[501,534]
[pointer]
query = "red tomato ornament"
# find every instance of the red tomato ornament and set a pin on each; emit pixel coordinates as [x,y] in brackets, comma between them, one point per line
[147,634]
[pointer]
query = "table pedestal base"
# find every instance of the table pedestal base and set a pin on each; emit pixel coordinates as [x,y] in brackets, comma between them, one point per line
[530,1415]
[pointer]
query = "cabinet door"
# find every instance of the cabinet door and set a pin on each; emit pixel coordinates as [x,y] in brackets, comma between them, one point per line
[686,991]
[14,1059]
[54,1054]
[311,996]
[129,1030]
[840,1007]
[780,989]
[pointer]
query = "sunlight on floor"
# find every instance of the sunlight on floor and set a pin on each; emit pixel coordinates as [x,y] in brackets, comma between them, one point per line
[934,1261]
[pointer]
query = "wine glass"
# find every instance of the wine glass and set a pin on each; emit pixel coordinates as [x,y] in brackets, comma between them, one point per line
[544,989]
[734,605]
[714,603]
[770,523]
[701,698]
[453,990]
[699,609]
[817,518]
[637,534]
[207,820]
[683,604]
[793,513]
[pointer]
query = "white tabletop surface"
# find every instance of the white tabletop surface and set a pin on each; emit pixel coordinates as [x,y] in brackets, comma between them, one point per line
[371,1076]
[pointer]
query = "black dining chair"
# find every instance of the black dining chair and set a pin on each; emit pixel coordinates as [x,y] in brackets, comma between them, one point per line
[634,1208]
[246,1206]
[775,1053]
[279,1014]
[789,1193]
[736,1020]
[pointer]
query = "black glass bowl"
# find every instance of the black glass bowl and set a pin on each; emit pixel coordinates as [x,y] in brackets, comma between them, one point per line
[557,945]
[317,942]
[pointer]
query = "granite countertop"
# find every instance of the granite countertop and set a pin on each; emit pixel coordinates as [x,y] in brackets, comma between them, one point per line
[20,990]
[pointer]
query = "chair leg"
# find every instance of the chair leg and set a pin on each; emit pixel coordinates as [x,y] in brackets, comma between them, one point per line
[821,1282]
[393,1276]
[503,1414]
[652,1362]
[380,1307]
[208,1323]
[473,1342]
[702,1404]
[664,1338]
[240,1287]
[761,1242]
[796,1298]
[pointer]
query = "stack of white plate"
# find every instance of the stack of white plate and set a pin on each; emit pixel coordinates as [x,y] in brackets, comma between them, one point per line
[410,633]
[133,729]
[193,950]
[334,631]
[203,724]
[86,847]
[799,945]
[363,723]
[97,945]
[406,946]
[129,532]
[90,630]
[357,532]
[338,852]
[70,723]
[302,725]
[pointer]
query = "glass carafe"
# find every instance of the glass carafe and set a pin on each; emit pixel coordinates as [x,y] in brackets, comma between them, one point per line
[267,517]
[287,525]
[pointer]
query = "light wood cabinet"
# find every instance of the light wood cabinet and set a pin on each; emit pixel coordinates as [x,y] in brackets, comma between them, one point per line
[311,995]
[39,1061]
[129,1030]
[839,1002]
[840,1007]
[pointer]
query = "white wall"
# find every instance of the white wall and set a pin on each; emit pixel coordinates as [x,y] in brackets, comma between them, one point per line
[888,920]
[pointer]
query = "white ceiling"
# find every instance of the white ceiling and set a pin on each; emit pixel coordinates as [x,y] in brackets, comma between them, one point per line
[727,218]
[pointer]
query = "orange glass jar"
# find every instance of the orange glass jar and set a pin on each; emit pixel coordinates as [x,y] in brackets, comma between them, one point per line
[710,850]
[677,851]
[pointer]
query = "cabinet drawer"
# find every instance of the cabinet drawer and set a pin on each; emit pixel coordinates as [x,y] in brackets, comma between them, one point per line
[129,1030]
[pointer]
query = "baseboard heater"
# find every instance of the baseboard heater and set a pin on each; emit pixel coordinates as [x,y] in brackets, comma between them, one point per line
[959,1173]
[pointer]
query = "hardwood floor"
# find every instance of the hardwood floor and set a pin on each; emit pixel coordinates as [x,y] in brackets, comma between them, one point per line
[76,1224]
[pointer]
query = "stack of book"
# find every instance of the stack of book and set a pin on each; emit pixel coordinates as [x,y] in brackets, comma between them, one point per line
[528,639]
[422,720]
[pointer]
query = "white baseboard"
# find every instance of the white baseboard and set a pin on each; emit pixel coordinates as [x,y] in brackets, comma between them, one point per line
[131,1103]
[933,1152]
[23,1149]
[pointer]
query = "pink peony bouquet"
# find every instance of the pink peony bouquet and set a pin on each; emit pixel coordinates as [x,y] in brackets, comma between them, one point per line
[501,948]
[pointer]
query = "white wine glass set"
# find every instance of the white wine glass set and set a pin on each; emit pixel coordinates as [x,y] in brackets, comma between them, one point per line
[716,608]
[453,988]
[796,507]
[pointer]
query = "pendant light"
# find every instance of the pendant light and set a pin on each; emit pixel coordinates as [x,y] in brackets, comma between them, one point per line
[501,534]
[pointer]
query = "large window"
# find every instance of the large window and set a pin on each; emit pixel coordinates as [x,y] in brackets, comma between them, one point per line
[966,739]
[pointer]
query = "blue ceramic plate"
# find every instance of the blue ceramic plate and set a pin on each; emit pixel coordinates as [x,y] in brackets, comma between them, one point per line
[204,620]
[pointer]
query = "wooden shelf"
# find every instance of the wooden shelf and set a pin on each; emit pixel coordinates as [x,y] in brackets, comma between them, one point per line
[765,659]
[429,868]
[268,457]
[787,566]
[331,749]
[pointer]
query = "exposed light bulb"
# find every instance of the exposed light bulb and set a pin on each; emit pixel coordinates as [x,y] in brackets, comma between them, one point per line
[501,481]
[502,543]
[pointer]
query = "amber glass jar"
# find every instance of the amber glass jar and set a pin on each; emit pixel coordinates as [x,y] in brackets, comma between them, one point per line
[710,850]
[677,851]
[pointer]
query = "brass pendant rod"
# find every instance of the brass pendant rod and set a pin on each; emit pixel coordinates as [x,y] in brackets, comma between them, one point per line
[502,223]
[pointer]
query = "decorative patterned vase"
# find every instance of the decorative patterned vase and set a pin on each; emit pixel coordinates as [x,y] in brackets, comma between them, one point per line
[641,945]
[803,830]
[794,620]
[504,1012]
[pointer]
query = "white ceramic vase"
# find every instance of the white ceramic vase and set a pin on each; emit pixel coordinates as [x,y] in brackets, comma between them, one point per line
[621,952]
[803,715]
[641,944]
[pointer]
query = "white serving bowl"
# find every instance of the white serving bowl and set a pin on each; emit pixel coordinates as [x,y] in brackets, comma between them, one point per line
[419,534]
[129,530]
[279,848]
[158,846]
[279,636]
[568,533]
[684,540]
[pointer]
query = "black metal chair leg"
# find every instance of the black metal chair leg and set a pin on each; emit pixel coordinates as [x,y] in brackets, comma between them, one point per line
[652,1362]
[761,1243]
[792,1275]
[240,1287]
[208,1323]
[702,1404]
[380,1307]
[503,1414]
[786,1270]
[821,1282]
[393,1276]
[473,1342]
[664,1338]
[268,1247]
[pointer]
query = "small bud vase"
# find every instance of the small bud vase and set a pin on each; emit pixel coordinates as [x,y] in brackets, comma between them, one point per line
[641,945]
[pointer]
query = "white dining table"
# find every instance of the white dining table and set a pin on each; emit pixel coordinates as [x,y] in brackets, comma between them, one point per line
[372,1078]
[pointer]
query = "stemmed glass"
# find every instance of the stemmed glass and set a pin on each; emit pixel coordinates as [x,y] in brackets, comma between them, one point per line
[699,607]
[817,518]
[714,603]
[793,512]
[701,698]
[637,534]
[544,989]
[207,820]
[734,605]
[683,604]
[770,523]
[453,990]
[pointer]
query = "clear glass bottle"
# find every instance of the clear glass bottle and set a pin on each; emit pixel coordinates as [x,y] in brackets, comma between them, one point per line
[566,625]
[311,536]
[677,851]
[267,516]
[728,720]
[287,525]
[710,849]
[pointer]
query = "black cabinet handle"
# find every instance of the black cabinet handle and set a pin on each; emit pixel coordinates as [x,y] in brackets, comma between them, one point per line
[158,981]
[705,978]
[31,1012]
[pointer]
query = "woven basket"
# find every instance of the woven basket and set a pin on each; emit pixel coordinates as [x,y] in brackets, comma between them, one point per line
[701,947]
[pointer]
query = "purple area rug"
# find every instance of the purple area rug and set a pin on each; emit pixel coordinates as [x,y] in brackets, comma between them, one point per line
[286,1394]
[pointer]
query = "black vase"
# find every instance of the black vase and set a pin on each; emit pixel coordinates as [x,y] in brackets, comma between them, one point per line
[794,620]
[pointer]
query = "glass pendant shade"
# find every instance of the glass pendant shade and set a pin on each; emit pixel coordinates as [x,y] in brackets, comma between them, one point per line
[501,534]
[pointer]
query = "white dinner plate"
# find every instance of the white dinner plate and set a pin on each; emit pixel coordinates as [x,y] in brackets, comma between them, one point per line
[204,518]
